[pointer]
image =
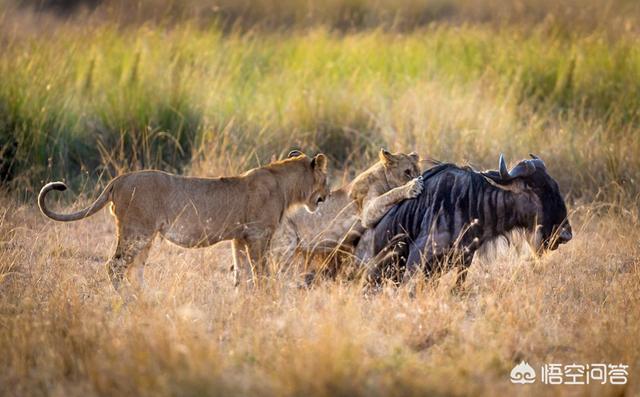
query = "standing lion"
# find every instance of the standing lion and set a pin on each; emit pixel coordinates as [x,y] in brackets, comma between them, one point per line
[198,212]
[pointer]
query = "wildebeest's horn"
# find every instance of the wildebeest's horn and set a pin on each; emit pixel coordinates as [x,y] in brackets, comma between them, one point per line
[504,172]
[533,156]
[525,168]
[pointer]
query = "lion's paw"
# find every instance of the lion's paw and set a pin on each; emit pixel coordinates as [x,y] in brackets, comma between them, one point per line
[414,187]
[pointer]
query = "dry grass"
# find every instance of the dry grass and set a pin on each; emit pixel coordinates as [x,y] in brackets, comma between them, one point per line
[64,331]
[188,87]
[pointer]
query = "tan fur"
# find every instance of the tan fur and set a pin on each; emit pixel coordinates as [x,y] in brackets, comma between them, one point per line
[343,218]
[198,212]
[391,180]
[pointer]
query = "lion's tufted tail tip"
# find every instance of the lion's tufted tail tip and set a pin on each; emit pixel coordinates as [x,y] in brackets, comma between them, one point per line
[100,202]
[60,186]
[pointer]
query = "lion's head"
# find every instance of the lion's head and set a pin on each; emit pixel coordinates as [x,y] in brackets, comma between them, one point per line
[393,170]
[399,168]
[320,186]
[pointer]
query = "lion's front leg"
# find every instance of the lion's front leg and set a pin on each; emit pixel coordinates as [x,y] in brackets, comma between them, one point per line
[257,254]
[250,257]
[284,243]
[242,271]
[377,207]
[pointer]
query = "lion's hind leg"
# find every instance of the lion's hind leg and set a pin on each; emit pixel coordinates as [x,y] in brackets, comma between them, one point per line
[128,259]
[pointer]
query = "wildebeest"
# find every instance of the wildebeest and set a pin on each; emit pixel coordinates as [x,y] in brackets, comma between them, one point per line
[460,209]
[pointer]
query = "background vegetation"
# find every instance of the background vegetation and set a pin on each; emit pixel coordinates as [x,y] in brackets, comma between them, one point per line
[79,96]
[90,89]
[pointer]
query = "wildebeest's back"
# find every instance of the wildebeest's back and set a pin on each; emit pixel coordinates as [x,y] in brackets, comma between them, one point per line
[444,203]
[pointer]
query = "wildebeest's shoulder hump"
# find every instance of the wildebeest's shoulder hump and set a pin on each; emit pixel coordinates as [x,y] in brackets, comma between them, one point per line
[433,171]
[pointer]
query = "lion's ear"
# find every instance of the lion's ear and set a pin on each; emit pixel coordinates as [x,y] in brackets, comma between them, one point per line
[386,157]
[319,162]
[294,153]
[414,156]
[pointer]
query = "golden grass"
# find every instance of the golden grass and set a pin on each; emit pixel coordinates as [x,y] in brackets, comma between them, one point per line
[185,86]
[64,331]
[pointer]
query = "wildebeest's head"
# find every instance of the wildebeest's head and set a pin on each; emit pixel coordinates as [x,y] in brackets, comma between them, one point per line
[530,176]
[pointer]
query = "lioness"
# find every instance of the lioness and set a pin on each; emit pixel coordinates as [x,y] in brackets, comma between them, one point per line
[342,219]
[198,212]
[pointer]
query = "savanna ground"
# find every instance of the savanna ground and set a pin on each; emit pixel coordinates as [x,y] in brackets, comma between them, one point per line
[210,88]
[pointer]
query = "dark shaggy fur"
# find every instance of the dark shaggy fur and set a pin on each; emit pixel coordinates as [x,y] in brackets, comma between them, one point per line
[460,209]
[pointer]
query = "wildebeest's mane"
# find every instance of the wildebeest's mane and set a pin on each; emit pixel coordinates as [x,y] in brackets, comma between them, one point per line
[461,193]
[460,210]
[442,166]
[494,175]
[437,169]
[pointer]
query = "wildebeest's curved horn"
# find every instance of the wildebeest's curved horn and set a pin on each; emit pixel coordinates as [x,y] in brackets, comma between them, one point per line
[525,168]
[533,156]
[502,167]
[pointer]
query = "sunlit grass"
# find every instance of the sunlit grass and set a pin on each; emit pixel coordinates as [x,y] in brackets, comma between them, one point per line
[84,98]
[64,329]
[210,89]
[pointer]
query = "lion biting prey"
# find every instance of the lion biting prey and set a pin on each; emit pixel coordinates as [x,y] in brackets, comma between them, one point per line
[198,212]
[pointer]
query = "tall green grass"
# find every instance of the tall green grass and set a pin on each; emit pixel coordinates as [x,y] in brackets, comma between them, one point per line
[87,100]
[564,16]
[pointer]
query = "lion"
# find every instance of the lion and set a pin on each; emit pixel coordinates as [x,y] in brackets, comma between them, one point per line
[347,212]
[199,212]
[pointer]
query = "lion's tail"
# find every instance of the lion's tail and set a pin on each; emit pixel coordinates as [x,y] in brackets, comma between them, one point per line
[97,205]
